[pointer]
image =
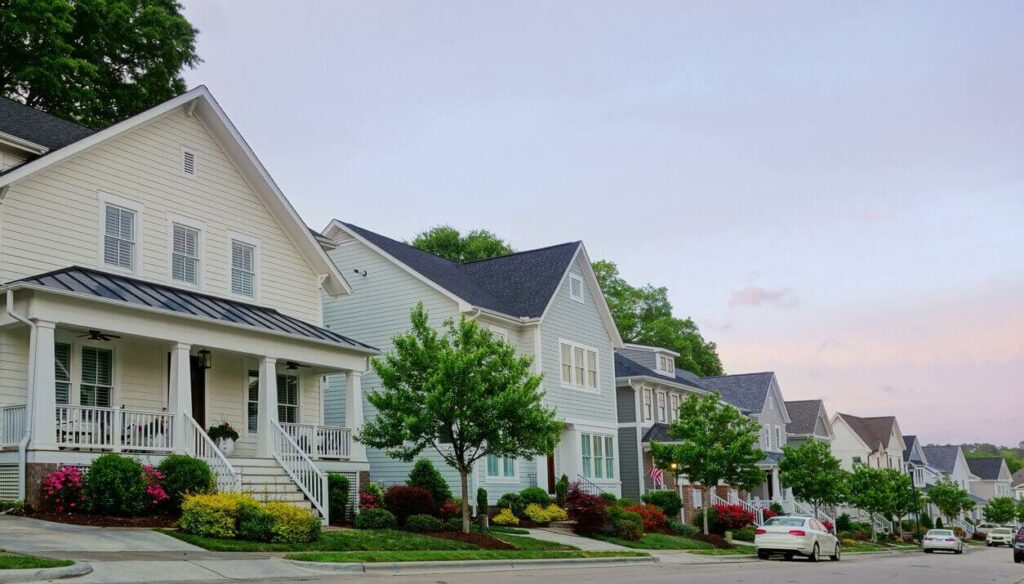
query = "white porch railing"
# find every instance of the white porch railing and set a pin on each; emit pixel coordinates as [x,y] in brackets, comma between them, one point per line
[114,429]
[13,425]
[199,445]
[307,476]
[321,441]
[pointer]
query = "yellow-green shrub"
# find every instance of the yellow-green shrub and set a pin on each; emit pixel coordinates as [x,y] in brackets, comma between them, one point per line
[234,515]
[213,515]
[539,514]
[556,513]
[506,517]
[292,524]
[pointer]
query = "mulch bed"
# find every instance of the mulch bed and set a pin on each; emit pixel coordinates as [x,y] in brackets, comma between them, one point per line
[158,520]
[481,540]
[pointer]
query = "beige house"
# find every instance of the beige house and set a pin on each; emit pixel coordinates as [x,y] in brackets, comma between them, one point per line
[155,283]
[876,442]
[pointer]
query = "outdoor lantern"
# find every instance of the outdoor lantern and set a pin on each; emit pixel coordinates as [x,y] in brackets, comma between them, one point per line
[674,466]
[205,359]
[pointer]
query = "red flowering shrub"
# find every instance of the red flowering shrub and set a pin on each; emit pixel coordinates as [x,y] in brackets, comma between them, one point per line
[368,501]
[653,516]
[590,512]
[732,516]
[769,513]
[404,502]
[155,493]
[828,525]
[450,508]
[62,489]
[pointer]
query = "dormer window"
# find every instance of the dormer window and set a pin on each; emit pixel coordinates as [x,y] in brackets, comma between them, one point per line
[666,363]
[576,288]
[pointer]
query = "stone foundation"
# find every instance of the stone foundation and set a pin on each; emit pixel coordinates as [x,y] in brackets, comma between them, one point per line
[35,472]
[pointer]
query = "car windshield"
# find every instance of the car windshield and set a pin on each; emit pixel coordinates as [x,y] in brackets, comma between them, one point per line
[940,533]
[785,522]
[1002,531]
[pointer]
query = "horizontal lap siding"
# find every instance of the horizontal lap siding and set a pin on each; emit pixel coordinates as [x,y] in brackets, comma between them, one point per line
[629,461]
[50,220]
[13,366]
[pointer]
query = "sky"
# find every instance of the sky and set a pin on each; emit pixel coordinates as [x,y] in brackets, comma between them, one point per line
[833,191]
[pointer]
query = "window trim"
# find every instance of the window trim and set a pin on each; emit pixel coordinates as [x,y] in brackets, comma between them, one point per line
[674,402]
[606,456]
[257,262]
[501,479]
[106,199]
[195,162]
[662,405]
[200,226]
[67,337]
[647,403]
[665,363]
[250,366]
[574,366]
[581,298]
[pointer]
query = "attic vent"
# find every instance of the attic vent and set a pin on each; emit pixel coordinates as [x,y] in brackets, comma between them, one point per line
[188,163]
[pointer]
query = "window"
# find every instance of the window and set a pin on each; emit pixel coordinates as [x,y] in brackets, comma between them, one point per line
[648,404]
[119,237]
[588,461]
[771,403]
[252,401]
[666,363]
[598,454]
[778,437]
[857,461]
[609,458]
[288,399]
[501,468]
[662,407]
[188,162]
[97,377]
[62,366]
[243,269]
[185,254]
[579,365]
[576,287]
[598,458]
[698,498]
[674,411]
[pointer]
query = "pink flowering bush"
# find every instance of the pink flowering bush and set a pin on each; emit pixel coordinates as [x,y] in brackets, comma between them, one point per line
[155,493]
[368,501]
[62,489]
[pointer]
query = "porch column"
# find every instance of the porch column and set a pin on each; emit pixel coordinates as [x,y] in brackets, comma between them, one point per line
[179,400]
[354,412]
[44,387]
[776,493]
[267,408]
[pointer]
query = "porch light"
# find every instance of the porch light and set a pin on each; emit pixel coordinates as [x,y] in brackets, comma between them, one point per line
[674,466]
[205,359]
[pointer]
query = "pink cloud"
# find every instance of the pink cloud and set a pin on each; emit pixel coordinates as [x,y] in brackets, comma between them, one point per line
[754,296]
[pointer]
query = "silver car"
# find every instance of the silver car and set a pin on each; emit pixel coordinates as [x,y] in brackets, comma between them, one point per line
[942,539]
[999,536]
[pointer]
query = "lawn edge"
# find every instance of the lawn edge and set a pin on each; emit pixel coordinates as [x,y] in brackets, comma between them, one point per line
[37,574]
[449,565]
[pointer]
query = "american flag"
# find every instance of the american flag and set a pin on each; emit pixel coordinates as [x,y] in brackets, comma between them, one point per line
[657,475]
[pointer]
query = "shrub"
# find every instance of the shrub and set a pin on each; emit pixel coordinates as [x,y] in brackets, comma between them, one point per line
[373,489]
[114,486]
[556,513]
[732,517]
[843,522]
[453,524]
[617,515]
[535,495]
[861,536]
[62,489]
[514,502]
[185,475]
[538,514]
[337,497]
[292,524]
[424,523]
[624,502]
[715,540]
[653,517]
[588,511]
[505,517]
[926,522]
[745,534]
[628,530]
[683,529]
[669,501]
[450,508]
[368,501]
[155,493]
[255,523]
[769,513]
[777,509]
[561,490]
[938,523]
[374,518]
[406,501]
[610,497]
[425,476]
[481,502]
[213,515]
[860,526]
[829,526]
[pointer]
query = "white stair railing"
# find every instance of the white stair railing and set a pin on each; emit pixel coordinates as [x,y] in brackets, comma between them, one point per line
[304,473]
[199,445]
[13,425]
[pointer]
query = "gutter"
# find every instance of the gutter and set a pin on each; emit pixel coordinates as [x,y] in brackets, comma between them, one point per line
[29,391]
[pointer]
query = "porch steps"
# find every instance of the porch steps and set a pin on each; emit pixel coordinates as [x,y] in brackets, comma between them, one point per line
[265,480]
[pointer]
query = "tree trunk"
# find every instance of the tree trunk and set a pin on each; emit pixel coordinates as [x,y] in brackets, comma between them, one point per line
[464,478]
[874,532]
[707,499]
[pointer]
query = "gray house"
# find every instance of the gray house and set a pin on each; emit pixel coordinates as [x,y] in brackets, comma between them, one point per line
[547,302]
[808,421]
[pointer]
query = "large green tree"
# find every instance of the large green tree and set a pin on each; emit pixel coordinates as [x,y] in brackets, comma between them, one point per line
[712,443]
[950,498]
[813,473]
[644,316]
[95,62]
[884,492]
[1000,510]
[462,392]
[447,242]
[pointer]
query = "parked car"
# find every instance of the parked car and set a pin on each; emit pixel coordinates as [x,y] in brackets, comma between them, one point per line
[942,539]
[1018,547]
[791,536]
[983,528]
[999,536]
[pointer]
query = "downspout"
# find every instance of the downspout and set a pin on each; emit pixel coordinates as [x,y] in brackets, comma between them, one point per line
[23,443]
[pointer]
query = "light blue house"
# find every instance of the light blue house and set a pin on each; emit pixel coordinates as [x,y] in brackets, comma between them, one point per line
[547,302]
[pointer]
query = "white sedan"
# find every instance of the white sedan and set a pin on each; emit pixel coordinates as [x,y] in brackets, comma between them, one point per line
[941,539]
[790,536]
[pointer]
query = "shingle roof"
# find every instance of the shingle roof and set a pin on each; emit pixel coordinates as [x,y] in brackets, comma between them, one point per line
[520,284]
[747,391]
[657,433]
[987,468]
[908,446]
[689,378]
[803,415]
[942,458]
[1017,478]
[626,367]
[873,431]
[139,293]
[37,126]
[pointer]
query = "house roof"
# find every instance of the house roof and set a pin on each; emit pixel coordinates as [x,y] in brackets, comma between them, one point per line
[803,415]
[626,367]
[873,431]
[657,433]
[942,458]
[38,127]
[689,378]
[1017,479]
[747,391]
[908,446]
[986,469]
[139,293]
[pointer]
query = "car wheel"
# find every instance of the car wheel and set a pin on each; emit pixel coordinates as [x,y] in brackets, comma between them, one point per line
[959,551]
[762,555]
[928,551]
[788,556]
[835,556]
[814,554]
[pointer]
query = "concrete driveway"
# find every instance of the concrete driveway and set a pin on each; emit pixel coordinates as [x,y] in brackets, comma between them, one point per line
[31,536]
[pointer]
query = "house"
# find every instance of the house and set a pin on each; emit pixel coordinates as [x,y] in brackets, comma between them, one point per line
[157,282]
[876,442]
[759,396]
[547,302]
[808,421]
[649,389]
[991,477]
[916,462]
[951,463]
[1017,482]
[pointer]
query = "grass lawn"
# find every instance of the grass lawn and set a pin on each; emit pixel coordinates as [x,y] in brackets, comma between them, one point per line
[974,542]
[13,562]
[863,547]
[340,540]
[453,555]
[500,529]
[529,543]
[659,541]
[736,551]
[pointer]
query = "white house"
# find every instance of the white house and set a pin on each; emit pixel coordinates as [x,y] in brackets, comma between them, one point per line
[876,442]
[991,477]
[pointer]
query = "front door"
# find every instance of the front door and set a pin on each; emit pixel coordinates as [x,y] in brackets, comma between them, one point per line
[551,473]
[198,390]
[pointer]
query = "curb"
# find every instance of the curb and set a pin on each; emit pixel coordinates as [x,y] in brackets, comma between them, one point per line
[467,565]
[35,575]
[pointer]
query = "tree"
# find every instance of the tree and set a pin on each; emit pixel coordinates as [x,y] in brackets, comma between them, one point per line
[1020,510]
[1000,510]
[425,476]
[712,443]
[885,492]
[813,473]
[95,62]
[644,316]
[906,498]
[462,392]
[447,242]
[949,498]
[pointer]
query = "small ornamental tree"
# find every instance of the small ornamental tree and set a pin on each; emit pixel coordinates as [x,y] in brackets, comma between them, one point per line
[461,391]
[426,476]
[813,473]
[887,492]
[1020,510]
[949,498]
[1000,510]
[712,443]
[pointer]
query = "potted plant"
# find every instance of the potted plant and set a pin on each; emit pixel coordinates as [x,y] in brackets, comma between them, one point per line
[224,436]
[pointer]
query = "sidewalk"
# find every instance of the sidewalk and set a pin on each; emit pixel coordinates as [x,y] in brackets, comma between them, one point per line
[32,536]
[567,537]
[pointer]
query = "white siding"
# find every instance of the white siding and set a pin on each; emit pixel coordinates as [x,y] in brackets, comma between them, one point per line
[13,366]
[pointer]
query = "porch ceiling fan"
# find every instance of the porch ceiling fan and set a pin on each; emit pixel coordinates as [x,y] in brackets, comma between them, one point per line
[95,335]
[292,365]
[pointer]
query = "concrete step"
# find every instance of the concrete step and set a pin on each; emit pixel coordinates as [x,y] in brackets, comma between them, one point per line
[254,462]
[270,487]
